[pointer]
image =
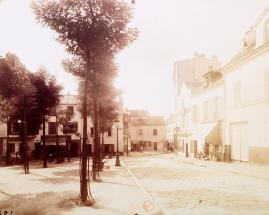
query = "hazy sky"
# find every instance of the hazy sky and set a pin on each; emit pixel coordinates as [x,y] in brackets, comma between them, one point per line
[170,30]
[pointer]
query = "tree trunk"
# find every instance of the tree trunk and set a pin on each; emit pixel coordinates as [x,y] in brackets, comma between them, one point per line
[83,180]
[7,142]
[99,155]
[96,140]
[67,148]
[26,158]
[102,154]
[45,152]
[103,146]
[57,142]
[84,195]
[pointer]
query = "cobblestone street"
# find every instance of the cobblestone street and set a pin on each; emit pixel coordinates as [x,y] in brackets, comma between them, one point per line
[183,188]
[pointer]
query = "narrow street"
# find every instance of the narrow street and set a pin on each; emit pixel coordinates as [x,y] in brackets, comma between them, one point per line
[182,188]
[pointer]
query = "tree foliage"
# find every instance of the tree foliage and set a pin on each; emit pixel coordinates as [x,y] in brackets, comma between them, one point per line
[7,109]
[47,91]
[88,27]
[21,90]
[14,79]
[101,86]
[14,86]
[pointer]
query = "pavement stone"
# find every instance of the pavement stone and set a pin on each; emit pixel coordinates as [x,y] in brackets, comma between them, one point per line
[196,189]
[244,168]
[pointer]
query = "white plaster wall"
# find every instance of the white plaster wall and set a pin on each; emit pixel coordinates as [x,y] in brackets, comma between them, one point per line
[182,101]
[208,95]
[148,133]
[254,108]
[170,126]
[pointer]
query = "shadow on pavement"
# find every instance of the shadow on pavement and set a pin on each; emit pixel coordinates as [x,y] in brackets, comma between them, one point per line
[60,180]
[39,165]
[41,204]
[72,172]
[57,179]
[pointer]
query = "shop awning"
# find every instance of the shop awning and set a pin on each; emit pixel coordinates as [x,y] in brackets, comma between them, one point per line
[202,130]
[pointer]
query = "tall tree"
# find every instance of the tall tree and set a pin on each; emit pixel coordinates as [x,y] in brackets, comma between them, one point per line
[89,29]
[47,97]
[27,97]
[15,88]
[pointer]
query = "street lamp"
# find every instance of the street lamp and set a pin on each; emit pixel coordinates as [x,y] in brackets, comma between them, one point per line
[117,153]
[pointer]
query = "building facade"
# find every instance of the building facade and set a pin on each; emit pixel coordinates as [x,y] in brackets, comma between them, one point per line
[147,132]
[15,145]
[66,127]
[228,119]
[127,131]
[171,132]
[200,119]
[246,79]
[193,95]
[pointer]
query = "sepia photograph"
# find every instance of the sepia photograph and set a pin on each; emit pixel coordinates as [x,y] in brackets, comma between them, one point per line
[134,107]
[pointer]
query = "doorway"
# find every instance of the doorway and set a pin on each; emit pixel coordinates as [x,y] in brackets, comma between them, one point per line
[239,141]
[155,146]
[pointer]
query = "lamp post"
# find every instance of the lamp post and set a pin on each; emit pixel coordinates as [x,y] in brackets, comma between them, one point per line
[117,153]
[25,143]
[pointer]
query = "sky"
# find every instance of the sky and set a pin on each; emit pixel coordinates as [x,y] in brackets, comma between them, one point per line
[170,30]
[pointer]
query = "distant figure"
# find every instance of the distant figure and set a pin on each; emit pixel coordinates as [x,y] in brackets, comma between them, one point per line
[17,157]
